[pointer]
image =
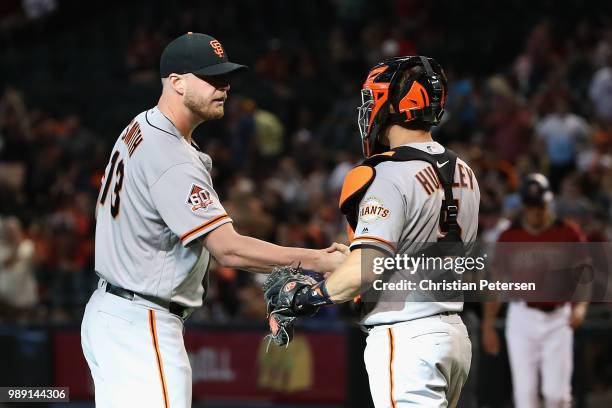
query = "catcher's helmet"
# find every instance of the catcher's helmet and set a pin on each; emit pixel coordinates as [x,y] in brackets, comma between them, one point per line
[420,97]
[535,190]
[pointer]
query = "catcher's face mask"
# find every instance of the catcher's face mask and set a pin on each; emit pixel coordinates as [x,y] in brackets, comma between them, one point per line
[421,97]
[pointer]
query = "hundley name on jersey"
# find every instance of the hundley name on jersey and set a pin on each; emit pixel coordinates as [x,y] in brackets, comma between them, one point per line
[430,182]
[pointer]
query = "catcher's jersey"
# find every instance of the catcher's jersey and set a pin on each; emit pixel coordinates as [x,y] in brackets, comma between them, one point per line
[400,211]
[155,201]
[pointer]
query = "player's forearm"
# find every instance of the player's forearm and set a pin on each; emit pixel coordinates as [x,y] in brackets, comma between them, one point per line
[260,256]
[353,276]
[241,252]
[345,283]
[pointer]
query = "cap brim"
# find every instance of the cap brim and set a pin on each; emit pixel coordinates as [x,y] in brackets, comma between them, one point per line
[220,69]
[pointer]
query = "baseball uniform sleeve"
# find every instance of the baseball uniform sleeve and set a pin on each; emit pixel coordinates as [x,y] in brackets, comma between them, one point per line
[381,217]
[187,202]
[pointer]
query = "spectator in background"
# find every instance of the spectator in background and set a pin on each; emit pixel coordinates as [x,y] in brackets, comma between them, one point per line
[269,134]
[15,130]
[337,130]
[508,122]
[241,129]
[303,146]
[536,61]
[251,215]
[18,286]
[460,110]
[142,56]
[561,132]
[600,90]
[71,280]
[572,203]
[605,194]
[344,164]
[251,308]
[288,181]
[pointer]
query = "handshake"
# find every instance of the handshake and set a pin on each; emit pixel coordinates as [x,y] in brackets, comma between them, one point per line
[290,293]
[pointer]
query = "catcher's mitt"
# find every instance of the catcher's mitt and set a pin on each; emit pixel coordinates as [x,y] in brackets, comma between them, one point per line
[280,289]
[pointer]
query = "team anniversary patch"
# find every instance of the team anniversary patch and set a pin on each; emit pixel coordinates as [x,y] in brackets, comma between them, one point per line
[372,209]
[199,199]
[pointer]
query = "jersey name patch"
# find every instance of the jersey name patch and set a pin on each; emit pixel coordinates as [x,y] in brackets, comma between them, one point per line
[198,199]
[372,209]
[132,137]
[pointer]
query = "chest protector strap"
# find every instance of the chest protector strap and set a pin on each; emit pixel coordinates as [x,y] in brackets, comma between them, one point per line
[361,177]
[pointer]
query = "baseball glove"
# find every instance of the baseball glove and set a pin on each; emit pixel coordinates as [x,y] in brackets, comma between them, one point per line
[280,289]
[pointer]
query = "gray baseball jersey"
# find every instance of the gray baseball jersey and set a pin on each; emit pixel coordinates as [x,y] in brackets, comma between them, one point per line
[400,211]
[156,200]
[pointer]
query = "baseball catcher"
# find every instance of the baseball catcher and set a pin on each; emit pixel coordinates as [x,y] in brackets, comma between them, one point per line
[409,193]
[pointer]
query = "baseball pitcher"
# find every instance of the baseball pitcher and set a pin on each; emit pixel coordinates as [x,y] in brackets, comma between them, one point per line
[159,222]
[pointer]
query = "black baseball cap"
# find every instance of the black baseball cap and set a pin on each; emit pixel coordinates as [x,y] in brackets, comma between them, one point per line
[196,53]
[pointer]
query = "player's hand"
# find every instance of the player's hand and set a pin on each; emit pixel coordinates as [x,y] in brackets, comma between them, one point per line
[577,316]
[490,339]
[336,246]
[331,258]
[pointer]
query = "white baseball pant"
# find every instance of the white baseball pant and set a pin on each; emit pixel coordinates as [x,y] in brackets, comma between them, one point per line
[136,353]
[540,343]
[418,363]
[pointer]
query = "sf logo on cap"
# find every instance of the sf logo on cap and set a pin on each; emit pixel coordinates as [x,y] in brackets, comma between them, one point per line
[216,45]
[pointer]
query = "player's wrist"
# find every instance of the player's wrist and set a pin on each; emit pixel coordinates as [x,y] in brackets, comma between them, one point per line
[309,259]
[320,261]
[308,299]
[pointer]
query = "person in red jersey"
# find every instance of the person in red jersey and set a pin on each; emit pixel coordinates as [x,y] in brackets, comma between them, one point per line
[539,334]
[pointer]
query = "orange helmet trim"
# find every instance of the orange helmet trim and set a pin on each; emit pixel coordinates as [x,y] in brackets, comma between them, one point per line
[416,97]
[380,91]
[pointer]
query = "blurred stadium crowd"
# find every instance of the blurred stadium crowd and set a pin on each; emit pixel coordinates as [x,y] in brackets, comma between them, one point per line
[539,101]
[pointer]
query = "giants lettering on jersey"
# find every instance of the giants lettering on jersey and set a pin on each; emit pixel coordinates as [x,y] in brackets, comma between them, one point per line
[372,209]
[464,178]
[199,198]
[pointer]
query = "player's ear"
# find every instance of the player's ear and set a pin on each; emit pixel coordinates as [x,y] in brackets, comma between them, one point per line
[383,137]
[178,83]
